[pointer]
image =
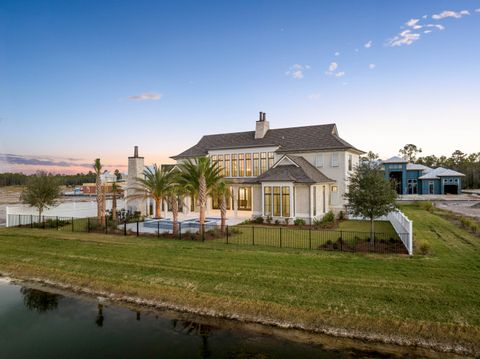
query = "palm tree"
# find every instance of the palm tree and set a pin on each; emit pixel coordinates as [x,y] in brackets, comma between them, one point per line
[199,177]
[97,166]
[156,185]
[176,191]
[222,192]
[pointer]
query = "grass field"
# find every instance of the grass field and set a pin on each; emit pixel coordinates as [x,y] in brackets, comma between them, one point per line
[434,298]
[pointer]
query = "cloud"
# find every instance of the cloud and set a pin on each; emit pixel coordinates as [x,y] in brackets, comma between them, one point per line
[314,96]
[146,96]
[296,71]
[427,31]
[31,164]
[413,23]
[41,161]
[424,16]
[332,67]
[449,13]
[340,74]
[368,45]
[477,10]
[337,53]
[436,26]
[372,66]
[406,37]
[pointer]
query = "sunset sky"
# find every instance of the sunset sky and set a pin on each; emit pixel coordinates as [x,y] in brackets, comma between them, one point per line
[86,79]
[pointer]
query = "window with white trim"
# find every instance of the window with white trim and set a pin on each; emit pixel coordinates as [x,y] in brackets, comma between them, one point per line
[319,160]
[334,162]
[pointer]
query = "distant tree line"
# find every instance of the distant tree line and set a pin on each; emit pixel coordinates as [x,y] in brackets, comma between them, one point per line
[468,164]
[20,179]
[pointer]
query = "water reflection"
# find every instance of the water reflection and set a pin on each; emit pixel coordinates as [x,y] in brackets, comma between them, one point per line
[198,329]
[38,300]
[100,318]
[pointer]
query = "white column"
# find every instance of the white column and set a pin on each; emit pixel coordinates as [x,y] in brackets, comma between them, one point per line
[235,201]
[292,210]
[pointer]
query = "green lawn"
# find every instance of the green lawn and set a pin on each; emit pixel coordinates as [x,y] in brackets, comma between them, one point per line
[434,297]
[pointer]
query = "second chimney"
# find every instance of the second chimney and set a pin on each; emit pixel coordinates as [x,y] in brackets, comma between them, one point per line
[262,126]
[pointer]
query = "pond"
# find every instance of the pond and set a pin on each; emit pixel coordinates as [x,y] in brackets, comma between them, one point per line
[40,323]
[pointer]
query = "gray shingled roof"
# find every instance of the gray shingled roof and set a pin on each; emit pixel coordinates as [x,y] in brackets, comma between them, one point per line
[441,172]
[395,159]
[303,172]
[292,139]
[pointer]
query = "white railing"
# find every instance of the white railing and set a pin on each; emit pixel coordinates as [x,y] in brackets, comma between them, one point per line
[404,228]
[402,225]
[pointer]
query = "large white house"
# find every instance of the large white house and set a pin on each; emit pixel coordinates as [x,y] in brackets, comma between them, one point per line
[295,172]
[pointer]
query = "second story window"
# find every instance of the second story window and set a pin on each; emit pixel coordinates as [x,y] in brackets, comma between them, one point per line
[227,165]
[241,165]
[263,162]
[221,165]
[350,162]
[256,164]
[234,165]
[334,160]
[248,164]
[270,159]
[319,160]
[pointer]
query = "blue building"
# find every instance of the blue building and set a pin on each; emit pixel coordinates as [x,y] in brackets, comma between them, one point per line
[411,178]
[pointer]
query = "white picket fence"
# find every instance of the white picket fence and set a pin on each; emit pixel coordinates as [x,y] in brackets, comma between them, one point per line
[402,225]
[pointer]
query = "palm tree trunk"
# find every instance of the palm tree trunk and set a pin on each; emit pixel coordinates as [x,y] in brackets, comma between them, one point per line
[114,205]
[98,190]
[174,204]
[202,199]
[104,204]
[223,212]
[158,202]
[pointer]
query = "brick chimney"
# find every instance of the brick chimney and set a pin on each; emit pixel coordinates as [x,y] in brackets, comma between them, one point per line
[262,126]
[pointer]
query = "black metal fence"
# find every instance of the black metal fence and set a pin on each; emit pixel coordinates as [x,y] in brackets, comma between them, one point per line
[293,237]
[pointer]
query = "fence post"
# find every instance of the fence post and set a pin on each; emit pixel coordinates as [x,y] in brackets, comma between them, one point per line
[280,237]
[125,227]
[137,228]
[88,225]
[57,223]
[106,225]
[73,226]
[310,237]
[253,235]
[158,229]
[227,234]
[179,230]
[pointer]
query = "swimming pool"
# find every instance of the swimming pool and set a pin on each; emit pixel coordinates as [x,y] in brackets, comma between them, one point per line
[167,224]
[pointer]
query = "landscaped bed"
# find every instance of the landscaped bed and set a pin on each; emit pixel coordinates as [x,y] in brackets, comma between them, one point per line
[428,300]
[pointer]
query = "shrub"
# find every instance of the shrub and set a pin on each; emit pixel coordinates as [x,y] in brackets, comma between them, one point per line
[269,219]
[329,217]
[277,222]
[317,222]
[341,215]
[424,248]
[426,205]
[258,220]
[299,222]
[234,230]
[287,221]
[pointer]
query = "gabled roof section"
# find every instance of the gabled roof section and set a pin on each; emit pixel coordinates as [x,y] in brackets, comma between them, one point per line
[395,159]
[300,171]
[439,172]
[291,139]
